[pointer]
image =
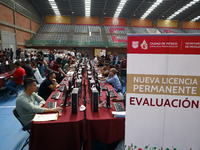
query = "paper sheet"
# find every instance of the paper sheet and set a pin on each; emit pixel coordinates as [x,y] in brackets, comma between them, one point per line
[45,117]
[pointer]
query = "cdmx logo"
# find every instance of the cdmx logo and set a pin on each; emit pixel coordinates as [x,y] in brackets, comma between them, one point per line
[144,45]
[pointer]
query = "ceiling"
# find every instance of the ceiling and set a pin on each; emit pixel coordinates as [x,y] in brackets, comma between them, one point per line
[132,8]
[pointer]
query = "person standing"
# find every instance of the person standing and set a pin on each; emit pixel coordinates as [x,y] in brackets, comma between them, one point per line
[18,52]
[87,54]
[11,54]
[40,65]
[114,59]
[51,56]
[55,66]
[25,54]
[82,53]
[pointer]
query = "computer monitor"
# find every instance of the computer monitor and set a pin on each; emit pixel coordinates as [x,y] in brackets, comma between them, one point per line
[73,79]
[65,96]
[12,67]
[107,105]
[98,88]
[70,84]
[2,68]
[74,101]
[95,99]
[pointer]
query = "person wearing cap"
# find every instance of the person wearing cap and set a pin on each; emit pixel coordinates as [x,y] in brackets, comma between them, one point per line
[40,65]
[114,80]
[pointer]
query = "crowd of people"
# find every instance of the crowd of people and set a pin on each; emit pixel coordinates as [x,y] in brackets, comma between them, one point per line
[54,69]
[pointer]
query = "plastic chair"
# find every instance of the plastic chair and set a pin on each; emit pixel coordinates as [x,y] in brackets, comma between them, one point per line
[24,128]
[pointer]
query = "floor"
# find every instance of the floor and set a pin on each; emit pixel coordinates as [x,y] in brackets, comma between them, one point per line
[12,137]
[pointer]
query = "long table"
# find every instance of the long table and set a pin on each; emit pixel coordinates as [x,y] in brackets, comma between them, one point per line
[70,130]
[101,125]
[67,132]
[3,77]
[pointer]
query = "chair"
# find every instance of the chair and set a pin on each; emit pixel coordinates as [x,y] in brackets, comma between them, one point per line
[21,86]
[24,128]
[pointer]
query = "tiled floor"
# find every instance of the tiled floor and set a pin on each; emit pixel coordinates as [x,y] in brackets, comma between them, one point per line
[12,137]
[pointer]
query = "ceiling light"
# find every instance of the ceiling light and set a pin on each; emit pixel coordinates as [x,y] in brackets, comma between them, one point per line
[87,7]
[119,8]
[195,18]
[151,9]
[182,9]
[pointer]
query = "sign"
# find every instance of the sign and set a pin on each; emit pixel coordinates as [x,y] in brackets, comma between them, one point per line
[163,92]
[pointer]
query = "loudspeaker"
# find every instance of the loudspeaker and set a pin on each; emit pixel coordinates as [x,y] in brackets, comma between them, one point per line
[74,100]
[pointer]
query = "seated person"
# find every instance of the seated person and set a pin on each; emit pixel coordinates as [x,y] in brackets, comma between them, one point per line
[25,103]
[114,80]
[55,66]
[28,69]
[106,70]
[17,78]
[48,85]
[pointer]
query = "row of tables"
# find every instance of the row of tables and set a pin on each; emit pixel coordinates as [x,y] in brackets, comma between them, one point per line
[72,131]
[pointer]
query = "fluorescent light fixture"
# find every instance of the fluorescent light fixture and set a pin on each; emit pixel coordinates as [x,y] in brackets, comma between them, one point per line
[198,17]
[151,9]
[87,7]
[182,9]
[119,8]
[54,7]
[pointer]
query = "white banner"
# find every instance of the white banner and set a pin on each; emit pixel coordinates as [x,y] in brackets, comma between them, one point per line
[163,92]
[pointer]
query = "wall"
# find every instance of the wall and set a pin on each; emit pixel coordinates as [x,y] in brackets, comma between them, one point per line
[6,14]
[87,20]
[115,21]
[142,22]
[22,22]
[34,26]
[22,36]
[167,23]
[58,19]
[6,28]
[191,25]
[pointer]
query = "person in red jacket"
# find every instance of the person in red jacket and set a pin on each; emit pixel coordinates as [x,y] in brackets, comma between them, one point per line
[55,66]
[17,78]
[123,63]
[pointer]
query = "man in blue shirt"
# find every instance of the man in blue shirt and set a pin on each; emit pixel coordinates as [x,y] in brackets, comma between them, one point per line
[114,80]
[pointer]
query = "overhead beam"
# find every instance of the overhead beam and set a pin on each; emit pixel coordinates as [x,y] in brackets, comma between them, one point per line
[190,15]
[70,5]
[104,7]
[137,8]
[169,9]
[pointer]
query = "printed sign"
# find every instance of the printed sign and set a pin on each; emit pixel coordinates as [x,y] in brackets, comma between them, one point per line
[163,92]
